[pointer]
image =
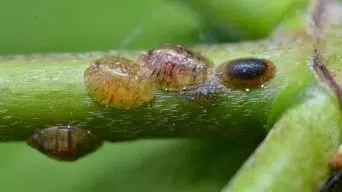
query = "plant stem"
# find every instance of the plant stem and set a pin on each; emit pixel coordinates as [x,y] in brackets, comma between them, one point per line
[295,154]
[39,91]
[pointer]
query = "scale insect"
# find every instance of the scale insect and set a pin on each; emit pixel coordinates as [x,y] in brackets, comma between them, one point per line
[334,183]
[118,82]
[245,73]
[174,67]
[64,143]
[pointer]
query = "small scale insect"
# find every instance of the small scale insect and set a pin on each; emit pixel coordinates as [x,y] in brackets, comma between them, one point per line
[206,94]
[64,143]
[174,67]
[336,161]
[119,83]
[334,183]
[245,73]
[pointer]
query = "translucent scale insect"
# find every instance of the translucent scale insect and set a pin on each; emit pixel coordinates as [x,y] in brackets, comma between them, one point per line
[118,82]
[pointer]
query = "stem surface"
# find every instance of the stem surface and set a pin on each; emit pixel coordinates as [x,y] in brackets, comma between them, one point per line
[39,91]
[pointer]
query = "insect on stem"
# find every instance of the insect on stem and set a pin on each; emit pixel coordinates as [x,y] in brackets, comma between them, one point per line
[332,181]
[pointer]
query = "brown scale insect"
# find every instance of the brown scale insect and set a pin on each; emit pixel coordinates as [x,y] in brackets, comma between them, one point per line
[207,94]
[173,67]
[118,82]
[64,143]
[334,183]
[336,161]
[245,73]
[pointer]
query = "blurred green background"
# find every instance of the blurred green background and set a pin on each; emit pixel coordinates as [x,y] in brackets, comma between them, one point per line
[83,25]
[86,25]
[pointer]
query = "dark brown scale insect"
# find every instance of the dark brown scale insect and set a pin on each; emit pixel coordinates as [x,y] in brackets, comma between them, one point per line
[245,73]
[207,94]
[64,143]
[119,83]
[334,183]
[174,67]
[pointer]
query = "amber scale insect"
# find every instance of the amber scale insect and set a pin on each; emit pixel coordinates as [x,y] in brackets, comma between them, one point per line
[118,82]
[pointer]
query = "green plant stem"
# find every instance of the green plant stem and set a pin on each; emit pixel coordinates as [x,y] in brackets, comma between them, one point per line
[39,91]
[295,154]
